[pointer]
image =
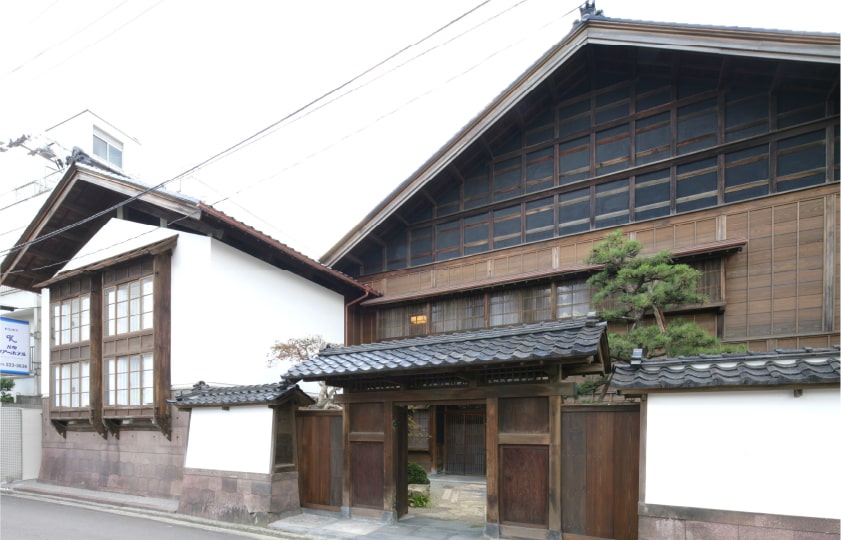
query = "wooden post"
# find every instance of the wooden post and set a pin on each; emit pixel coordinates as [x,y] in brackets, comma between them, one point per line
[555,501]
[389,463]
[492,467]
[347,475]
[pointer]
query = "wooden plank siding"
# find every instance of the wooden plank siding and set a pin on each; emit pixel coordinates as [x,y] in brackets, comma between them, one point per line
[781,290]
[600,471]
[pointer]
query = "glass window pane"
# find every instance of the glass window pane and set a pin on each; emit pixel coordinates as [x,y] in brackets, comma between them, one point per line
[100,147]
[122,293]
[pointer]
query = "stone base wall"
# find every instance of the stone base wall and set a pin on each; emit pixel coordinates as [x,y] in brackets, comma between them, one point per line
[662,522]
[139,462]
[239,497]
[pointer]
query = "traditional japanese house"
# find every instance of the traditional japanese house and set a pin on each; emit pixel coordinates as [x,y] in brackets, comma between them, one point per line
[137,280]
[720,144]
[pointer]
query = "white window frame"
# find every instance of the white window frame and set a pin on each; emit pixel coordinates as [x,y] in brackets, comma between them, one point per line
[113,148]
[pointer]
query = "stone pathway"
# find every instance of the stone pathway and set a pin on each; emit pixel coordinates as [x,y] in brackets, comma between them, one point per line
[456,498]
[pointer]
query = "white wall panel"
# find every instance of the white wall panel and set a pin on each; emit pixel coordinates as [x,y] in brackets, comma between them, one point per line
[753,451]
[239,439]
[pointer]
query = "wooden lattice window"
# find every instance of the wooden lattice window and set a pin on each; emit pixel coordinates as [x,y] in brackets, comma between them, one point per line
[515,375]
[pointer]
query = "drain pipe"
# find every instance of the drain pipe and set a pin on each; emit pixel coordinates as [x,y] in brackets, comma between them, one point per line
[347,310]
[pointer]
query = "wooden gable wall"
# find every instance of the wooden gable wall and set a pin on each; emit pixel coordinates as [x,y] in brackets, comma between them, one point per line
[680,150]
[620,135]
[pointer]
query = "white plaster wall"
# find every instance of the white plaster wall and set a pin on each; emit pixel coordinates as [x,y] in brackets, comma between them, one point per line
[31,443]
[78,131]
[752,451]
[229,308]
[239,439]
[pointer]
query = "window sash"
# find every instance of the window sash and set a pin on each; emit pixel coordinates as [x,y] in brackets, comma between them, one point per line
[72,320]
[129,307]
[129,380]
[72,385]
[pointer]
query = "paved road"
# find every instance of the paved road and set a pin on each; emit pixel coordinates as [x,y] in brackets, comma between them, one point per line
[26,518]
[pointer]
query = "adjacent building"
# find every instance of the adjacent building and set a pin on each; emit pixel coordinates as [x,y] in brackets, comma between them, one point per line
[145,293]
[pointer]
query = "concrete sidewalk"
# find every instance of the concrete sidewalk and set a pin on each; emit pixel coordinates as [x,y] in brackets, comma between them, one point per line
[457,513]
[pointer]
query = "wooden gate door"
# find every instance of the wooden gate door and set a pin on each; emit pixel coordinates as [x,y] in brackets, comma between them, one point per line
[320,462]
[600,471]
[464,441]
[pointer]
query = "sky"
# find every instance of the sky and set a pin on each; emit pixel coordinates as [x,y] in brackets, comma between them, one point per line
[349,98]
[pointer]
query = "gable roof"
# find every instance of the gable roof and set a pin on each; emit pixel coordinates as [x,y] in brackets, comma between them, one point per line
[776,368]
[597,30]
[581,341]
[88,195]
[204,395]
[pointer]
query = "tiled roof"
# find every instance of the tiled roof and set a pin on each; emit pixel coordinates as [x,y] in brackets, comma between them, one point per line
[203,395]
[556,340]
[780,367]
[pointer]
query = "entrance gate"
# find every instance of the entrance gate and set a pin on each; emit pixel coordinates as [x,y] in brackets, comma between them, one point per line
[598,452]
[519,376]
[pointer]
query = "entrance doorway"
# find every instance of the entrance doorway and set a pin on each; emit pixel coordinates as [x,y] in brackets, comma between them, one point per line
[464,440]
[448,441]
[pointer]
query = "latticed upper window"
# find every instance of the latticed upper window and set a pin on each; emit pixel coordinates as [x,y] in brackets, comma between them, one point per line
[72,320]
[453,315]
[573,299]
[709,282]
[129,307]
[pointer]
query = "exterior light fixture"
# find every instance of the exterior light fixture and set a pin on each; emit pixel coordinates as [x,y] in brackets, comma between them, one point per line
[636,358]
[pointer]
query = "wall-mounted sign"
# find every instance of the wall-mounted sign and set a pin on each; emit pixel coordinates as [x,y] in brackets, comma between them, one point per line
[14,347]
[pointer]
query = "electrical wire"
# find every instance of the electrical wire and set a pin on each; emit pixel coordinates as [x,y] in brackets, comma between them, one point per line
[246,141]
[218,155]
[65,40]
[402,105]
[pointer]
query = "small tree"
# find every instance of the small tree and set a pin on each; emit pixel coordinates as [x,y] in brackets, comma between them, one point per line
[6,385]
[632,288]
[300,349]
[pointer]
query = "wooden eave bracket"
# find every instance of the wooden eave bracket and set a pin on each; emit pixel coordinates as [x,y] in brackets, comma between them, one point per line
[112,426]
[162,420]
[60,426]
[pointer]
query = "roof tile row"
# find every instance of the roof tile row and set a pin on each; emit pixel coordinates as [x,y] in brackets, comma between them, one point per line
[548,340]
[780,367]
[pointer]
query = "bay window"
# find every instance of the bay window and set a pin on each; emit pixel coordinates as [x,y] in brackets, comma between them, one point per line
[109,353]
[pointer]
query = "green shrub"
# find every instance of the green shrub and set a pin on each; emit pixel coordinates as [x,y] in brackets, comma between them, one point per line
[416,474]
[418,500]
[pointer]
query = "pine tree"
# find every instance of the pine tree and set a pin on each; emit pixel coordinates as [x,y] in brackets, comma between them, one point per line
[635,289]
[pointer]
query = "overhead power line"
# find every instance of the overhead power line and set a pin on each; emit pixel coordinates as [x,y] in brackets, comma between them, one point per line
[230,149]
[311,104]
